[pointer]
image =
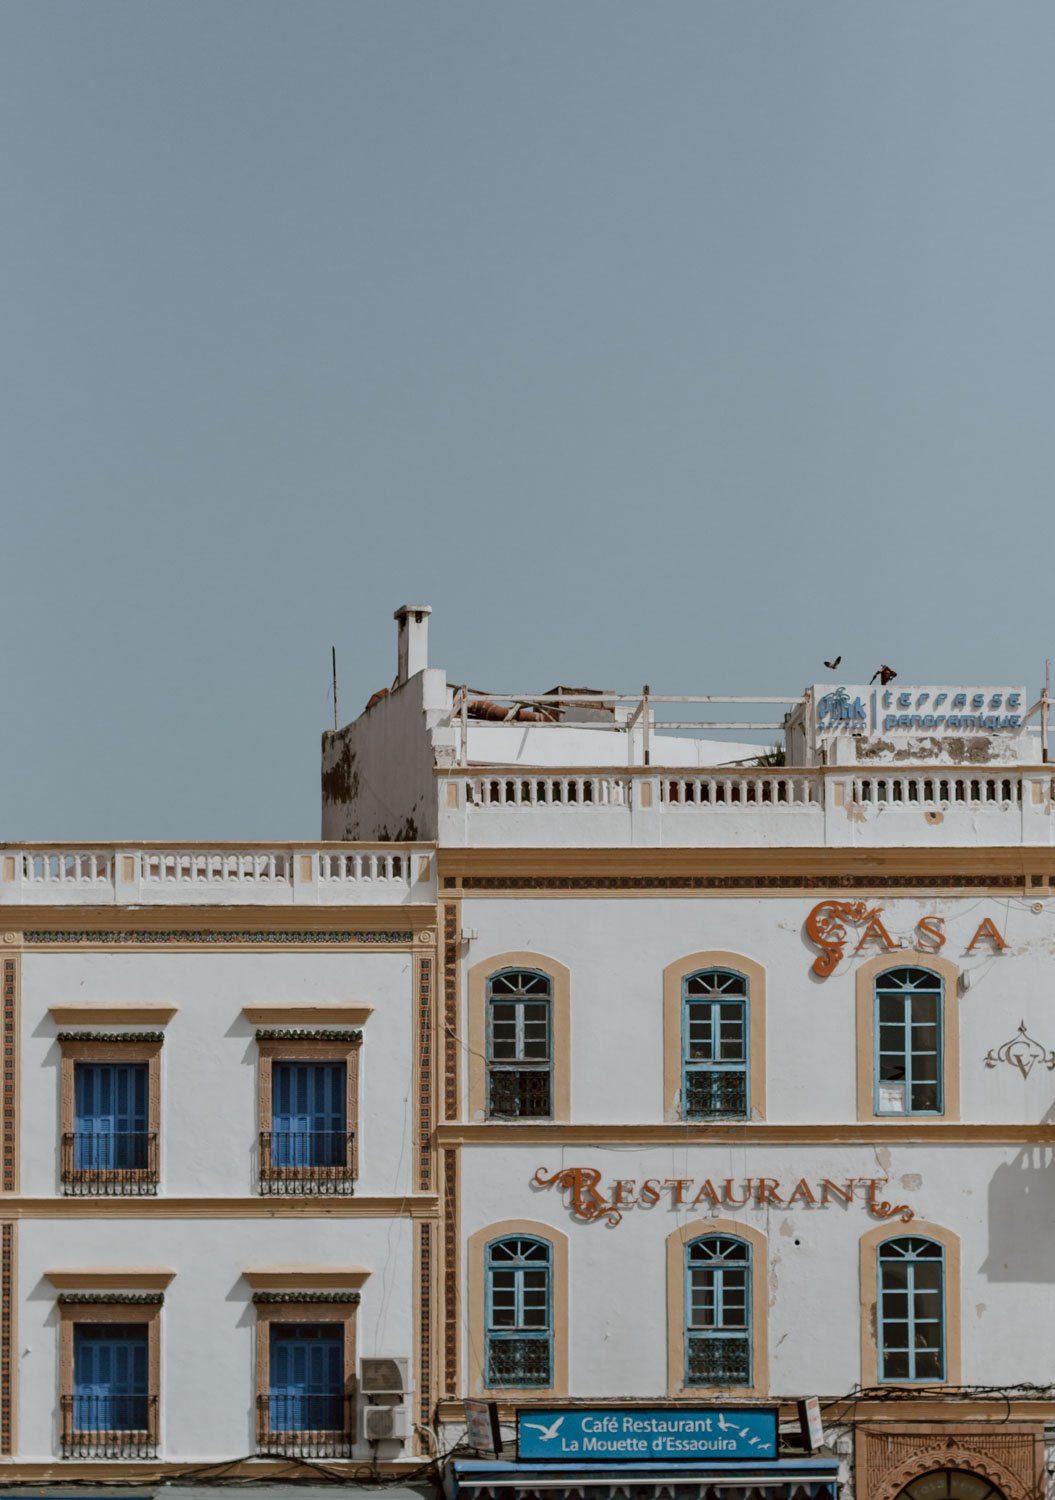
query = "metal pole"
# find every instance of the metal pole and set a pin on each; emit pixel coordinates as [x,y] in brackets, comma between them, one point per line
[646,739]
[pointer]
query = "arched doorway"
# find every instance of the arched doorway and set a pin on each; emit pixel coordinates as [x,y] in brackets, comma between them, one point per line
[950,1484]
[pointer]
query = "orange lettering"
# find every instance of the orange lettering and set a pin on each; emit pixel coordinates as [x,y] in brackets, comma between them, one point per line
[828,1187]
[877,933]
[679,1184]
[707,1192]
[767,1191]
[802,1192]
[650,1190]
[931,927]
[987,933]
[727,1193]
[628,1198]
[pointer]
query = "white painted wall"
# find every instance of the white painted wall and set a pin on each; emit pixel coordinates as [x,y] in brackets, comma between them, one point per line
[209,1113]
[208,1325]
[617,949]
[1001,1202]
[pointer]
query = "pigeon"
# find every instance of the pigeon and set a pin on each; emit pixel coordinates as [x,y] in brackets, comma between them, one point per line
[831,665]
[885,675]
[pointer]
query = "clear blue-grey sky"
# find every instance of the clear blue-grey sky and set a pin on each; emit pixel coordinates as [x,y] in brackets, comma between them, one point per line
[685,343]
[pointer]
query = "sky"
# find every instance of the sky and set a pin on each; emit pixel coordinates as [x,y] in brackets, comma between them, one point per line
[684,343]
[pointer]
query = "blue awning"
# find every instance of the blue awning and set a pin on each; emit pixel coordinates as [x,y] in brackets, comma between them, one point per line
[776,1479]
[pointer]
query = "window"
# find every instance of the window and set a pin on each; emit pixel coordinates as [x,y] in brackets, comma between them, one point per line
[911,1317]
[519,1343]
[718,1312]
[714,1037]
[305,1363]
[519,1045]
[715,1046]
[309,1090]
[111,1112]
[307,1378]
[109,1369]
[908,1042]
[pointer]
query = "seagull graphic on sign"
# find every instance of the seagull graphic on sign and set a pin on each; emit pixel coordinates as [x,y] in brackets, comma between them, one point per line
[547,1432]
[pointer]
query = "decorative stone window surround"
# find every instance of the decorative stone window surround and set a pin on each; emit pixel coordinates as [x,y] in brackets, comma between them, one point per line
[109,1046]
[674,977]
[865,980]
[952,1283]
[477,1289]
[676,1243]
[298,1044]
[560,1030]
[80,1308]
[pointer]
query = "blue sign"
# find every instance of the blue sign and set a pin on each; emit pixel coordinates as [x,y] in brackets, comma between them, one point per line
[607,1433]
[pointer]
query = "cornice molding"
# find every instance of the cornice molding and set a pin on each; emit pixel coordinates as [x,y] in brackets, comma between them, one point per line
[410,1206]
[864,1133]
[94,1012]
[110,1278]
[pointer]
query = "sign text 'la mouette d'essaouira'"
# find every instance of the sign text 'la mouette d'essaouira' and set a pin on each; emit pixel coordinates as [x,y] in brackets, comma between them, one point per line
[644,1435]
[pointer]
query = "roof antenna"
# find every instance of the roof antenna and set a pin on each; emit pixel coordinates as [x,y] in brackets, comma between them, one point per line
[333,658]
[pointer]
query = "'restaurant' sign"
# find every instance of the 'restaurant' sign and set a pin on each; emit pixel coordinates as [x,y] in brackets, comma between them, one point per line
[634,1433]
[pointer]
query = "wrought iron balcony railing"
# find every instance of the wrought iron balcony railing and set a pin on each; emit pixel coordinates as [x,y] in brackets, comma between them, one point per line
[296,1426]
[310,1162]
[117,1164]
[109,1426]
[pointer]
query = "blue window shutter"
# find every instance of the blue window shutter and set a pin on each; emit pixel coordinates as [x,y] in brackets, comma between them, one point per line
[110,1365]
[307,1378]
[308,1113]
[110,1114]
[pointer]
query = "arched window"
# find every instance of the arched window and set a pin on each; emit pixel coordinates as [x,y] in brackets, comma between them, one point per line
[911,1310]
[519,1334]
[519,1045]
[714,1032]
[718,1311]
[908,1042]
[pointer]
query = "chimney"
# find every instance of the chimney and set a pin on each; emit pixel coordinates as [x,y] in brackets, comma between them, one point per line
[413,644]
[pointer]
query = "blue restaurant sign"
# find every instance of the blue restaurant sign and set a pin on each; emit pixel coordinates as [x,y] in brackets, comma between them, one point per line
[642,1433]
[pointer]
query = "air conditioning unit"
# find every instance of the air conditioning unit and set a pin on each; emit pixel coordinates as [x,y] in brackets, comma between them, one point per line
[384,1424]
[384,1377]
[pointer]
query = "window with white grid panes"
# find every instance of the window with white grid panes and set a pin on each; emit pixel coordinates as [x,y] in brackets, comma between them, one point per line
[519,1313]
[718,1311]
[911,1310]
[908,1042]
[715,1046]
[519,1045]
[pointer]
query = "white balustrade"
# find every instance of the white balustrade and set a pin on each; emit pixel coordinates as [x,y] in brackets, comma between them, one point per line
[373,866]
[215,866]
[598,790]
[76,866]
[738,789]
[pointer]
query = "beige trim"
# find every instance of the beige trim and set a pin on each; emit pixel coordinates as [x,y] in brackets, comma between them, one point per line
[674,976]
[676,1242]
[306,1013]
[390,1206]
[865,980]
[94,1013]
[226,918]
[305,1050]
[96,1471]
[870,1243]
[9,1347]
[112,1278]
[913,1130]
[109,1312]
[477,1291]
[306,1278]
[560,978]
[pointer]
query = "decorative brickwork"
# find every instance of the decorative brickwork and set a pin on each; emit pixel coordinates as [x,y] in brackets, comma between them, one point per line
[451,945]
[425,1325]
[738,882]
[8,1355]
[424,1050]
[1008,1455]
[9,1028]
[213,939]
[450,1273]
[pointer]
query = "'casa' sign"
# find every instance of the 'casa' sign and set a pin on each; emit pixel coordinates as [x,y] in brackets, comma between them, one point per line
[827,923]
[588,1202]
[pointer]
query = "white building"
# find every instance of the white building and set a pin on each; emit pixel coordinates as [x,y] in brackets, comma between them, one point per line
[218,1205]
[744,1074]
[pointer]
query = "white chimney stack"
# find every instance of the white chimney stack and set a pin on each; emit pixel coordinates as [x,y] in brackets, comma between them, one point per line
[413,645]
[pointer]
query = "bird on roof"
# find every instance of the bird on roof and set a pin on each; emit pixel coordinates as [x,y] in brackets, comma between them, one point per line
[831,665]
[885,674]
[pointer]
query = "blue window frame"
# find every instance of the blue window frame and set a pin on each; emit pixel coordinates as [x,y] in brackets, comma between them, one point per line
[911,1287]
[908,1042]
[519,1045]
[110,1115]
[519,1312]
[718,1311]
[715,1042]
[110,1365]
[307,1377]
[309,1114]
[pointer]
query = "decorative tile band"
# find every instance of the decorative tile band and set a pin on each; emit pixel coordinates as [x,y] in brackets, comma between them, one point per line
[737,882]
[311,1034]
[450,1272]
[283,1298]
[9,1042]
[8,1363]
[217,939]
[451,917]
[131,1037]
[425,1325]
[424,1051]
[111,1299]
